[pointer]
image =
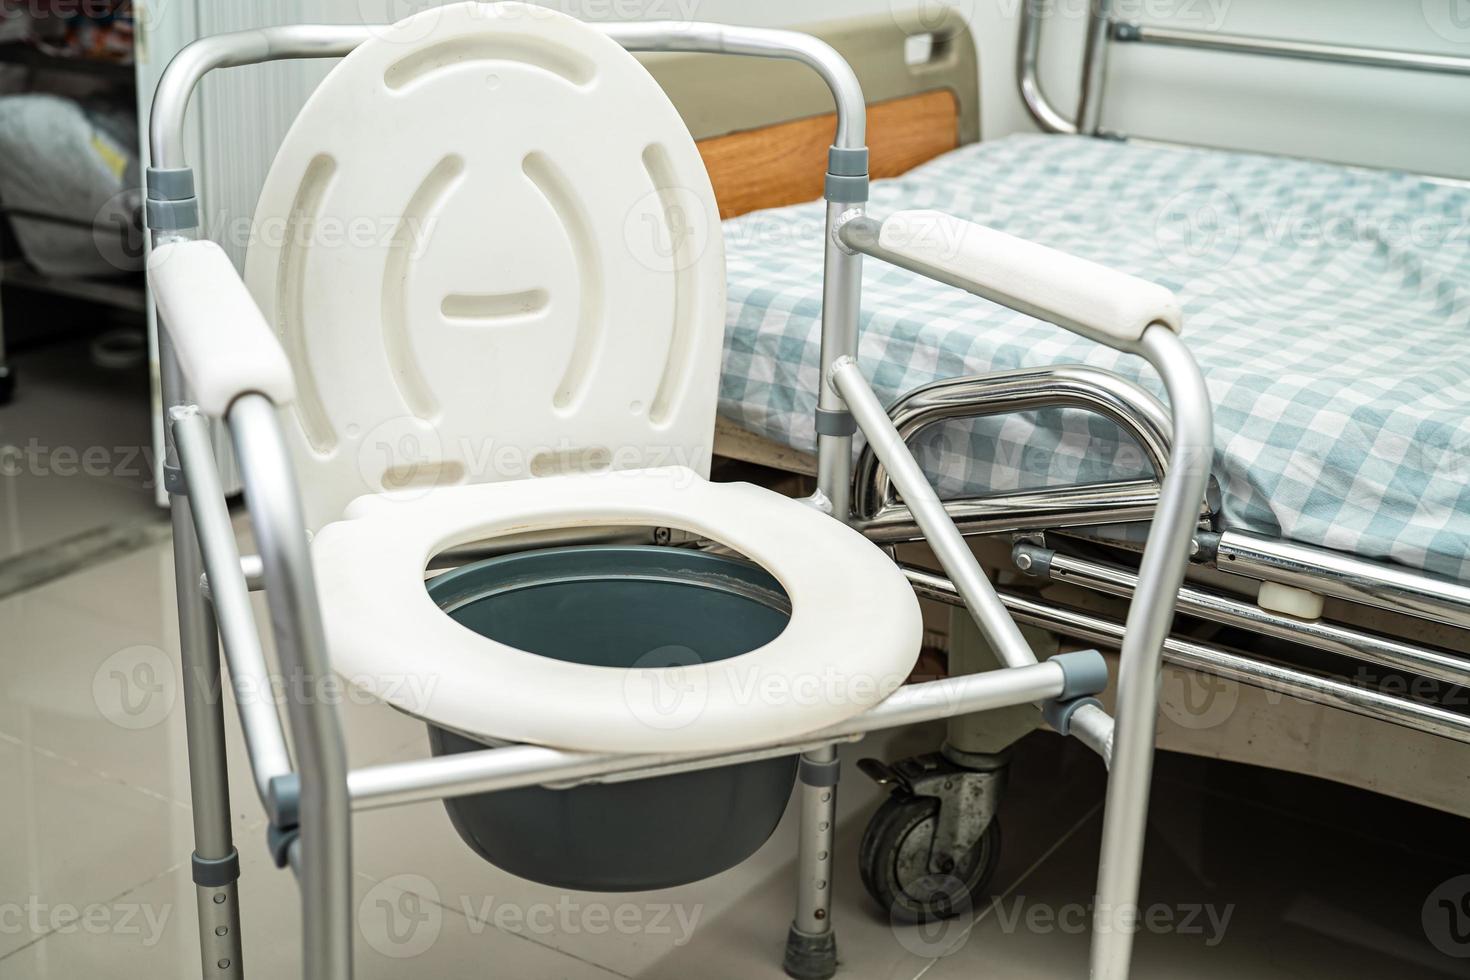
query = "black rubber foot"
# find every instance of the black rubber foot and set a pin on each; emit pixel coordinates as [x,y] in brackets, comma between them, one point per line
[810,957]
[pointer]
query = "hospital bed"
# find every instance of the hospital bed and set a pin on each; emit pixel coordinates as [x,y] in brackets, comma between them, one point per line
[1323,626]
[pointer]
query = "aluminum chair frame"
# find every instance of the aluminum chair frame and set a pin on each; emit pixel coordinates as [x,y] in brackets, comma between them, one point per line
[311,803]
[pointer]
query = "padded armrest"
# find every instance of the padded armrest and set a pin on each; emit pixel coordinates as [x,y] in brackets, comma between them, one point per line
[1108,306]
[222,341]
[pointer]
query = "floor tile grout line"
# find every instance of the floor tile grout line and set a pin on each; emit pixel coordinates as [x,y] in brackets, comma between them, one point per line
[516,935]
[108,901]
[1020,880]
[107,777]
[40,566]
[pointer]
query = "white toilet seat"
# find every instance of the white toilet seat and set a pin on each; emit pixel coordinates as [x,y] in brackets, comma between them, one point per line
[853,636]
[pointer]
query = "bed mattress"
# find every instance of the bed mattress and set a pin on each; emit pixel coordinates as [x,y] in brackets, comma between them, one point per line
[1329,308]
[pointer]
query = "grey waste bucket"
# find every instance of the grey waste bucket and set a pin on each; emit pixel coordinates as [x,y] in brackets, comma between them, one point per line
[620,607]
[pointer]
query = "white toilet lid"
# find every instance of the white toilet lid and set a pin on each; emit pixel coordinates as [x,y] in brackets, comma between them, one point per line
[853,636]
[490,249]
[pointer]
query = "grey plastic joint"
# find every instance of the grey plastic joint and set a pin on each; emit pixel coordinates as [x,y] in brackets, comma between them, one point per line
[830,423]
[1058,713]
[174,483]
[170,183]
[216,872]
[819,773]
[279,843]
[1032,559]
[847,188]
[283,800]
[173,215]
[844,161]
[1083,672]
[172,204]
[1123,31]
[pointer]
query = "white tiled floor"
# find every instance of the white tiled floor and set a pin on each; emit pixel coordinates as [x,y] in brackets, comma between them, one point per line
[95,833]
[96,823]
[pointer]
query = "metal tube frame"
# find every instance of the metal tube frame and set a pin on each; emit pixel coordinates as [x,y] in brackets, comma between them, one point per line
[321,852]
[1340,54]
[1094,67]
[1365,647]
[329,791]
[1215,660]
[1345,577]
[883,517]
[250,677]
[1028,73]
[1317,570]
[1363,581]
[1150,615]
[1104,30]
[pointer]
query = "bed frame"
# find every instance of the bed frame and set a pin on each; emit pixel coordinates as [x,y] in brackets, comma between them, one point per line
[1371,691]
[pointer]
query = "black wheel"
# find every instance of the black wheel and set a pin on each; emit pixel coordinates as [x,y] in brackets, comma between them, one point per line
[894,861]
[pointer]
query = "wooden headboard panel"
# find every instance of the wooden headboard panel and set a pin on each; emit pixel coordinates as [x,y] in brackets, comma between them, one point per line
[763,126]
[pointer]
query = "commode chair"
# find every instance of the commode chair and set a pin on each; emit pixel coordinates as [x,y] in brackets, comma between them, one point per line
[485,291]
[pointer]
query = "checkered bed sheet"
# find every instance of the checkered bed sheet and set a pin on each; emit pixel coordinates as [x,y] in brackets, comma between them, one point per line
[1329,308]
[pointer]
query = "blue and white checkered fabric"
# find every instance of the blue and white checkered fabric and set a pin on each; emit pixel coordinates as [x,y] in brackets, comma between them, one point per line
[1329,308]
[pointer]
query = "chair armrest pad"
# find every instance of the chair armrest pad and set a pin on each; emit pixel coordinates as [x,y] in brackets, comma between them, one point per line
[1108,306]
[223,343]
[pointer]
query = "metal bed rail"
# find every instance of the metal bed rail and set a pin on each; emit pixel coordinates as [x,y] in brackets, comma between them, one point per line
[1363,582]
[881,515]
[1025,519]
[1218,661]
[1104,30]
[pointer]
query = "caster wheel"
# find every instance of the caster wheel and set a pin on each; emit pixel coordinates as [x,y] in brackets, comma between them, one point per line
[895,863]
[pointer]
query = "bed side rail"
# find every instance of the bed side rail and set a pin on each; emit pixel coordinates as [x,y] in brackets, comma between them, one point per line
[883,517]
[1105,29]
[1196,655]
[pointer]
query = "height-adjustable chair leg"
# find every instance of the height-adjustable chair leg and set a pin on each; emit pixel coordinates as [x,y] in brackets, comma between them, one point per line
[216,864]
[811,945]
